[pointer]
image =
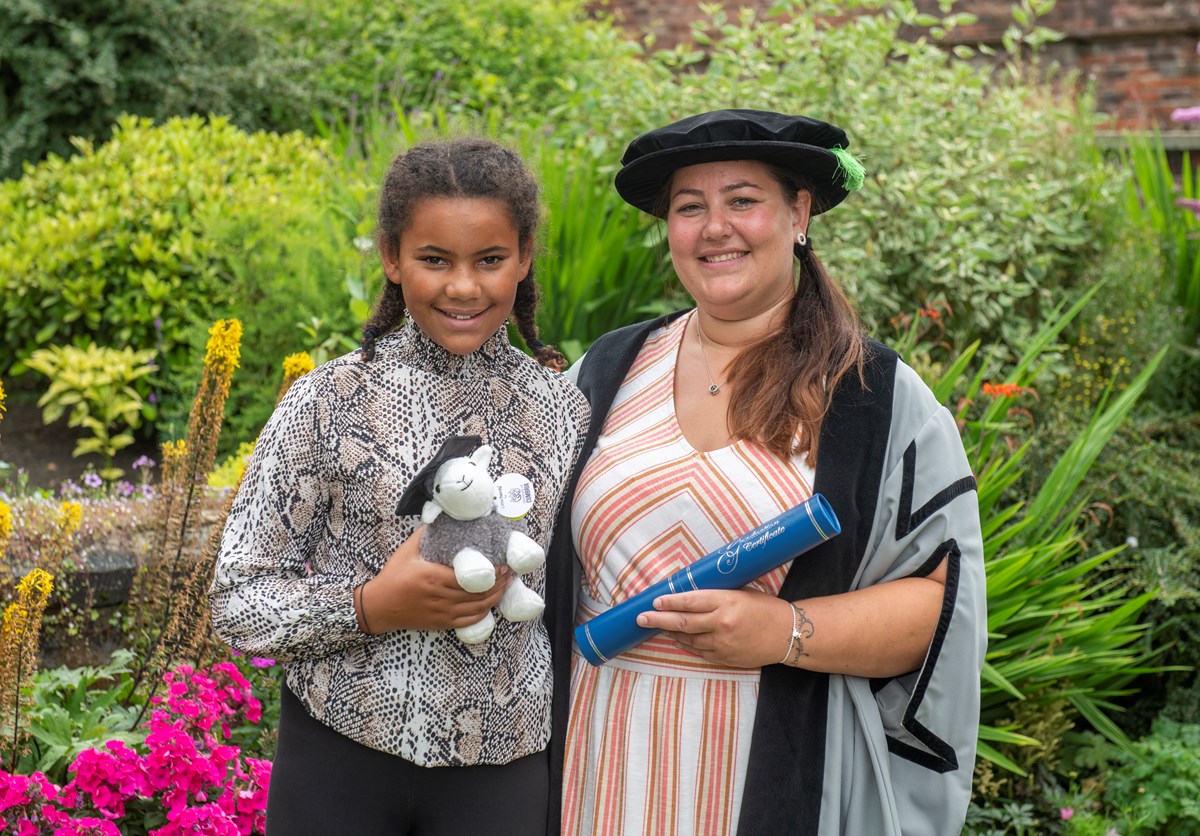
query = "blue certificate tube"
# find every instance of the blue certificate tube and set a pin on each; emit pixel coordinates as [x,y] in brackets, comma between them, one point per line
[732,566]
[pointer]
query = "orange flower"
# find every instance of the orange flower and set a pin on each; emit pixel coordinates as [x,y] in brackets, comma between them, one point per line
[1003,390]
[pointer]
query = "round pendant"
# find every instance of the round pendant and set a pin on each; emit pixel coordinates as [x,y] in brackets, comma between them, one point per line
[714,389]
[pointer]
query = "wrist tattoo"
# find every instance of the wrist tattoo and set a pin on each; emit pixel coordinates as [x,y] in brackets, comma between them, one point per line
[802,630]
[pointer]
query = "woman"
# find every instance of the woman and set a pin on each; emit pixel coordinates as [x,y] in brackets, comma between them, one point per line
[837,695]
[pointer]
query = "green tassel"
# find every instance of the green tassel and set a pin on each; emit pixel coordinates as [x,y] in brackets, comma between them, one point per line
[852,170]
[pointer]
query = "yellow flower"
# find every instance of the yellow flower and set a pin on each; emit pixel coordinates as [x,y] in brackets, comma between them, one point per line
[36,580]
[224,344]
[15,617]
[297,365]
[5,524]
[70,516]
[1,397]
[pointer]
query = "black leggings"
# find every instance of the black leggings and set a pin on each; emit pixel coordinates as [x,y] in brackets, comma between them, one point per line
[325,784]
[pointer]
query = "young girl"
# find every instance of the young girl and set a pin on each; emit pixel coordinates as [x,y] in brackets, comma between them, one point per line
[390,724]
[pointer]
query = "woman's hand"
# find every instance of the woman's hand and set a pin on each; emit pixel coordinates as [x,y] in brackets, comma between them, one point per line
[740,628]
[881,630]
[410,593]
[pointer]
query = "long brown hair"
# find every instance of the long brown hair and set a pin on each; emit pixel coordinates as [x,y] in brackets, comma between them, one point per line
[785,382]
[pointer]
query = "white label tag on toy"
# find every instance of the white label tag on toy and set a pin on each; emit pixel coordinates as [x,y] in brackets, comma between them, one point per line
[513,496]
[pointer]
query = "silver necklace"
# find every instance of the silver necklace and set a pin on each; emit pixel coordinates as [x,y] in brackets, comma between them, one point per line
[713,388]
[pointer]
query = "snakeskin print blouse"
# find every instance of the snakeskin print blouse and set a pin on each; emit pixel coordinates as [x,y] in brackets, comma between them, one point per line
[316,515]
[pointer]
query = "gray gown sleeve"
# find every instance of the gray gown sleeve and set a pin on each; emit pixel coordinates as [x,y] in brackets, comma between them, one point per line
[917,733]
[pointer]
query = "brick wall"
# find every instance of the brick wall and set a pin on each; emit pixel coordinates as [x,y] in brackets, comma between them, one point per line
[1141,55]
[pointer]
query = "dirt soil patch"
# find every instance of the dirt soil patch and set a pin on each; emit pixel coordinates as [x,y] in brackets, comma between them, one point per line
[44,452]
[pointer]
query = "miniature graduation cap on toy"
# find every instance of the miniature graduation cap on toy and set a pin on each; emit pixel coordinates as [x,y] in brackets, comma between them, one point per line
[420,490]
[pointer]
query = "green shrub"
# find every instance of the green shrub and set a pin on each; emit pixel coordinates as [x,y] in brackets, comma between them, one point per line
[113,244]
[1150,483]
[95,386]
[1155,786]
[283,270]
[984,188]
[1152,212]
[69,69]
[512,53]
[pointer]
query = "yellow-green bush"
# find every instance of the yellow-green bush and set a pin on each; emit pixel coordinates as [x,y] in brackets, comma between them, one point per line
[512,53]
[111,245]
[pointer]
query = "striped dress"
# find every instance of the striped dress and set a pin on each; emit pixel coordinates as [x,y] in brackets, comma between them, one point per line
[658,738]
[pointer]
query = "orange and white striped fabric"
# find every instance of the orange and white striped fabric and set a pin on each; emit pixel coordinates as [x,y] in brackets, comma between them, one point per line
[658,738]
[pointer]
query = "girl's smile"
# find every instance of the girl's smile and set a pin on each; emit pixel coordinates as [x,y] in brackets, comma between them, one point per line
[459,263]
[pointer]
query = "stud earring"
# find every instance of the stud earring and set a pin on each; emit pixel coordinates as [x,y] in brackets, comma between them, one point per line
[801,239]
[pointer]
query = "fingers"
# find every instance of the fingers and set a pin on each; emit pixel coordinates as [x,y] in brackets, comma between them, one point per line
[412,593]
[686,612]
[740,628]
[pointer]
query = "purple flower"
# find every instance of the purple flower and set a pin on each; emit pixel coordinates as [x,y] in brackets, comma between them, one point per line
[158,323]
[1186,114]
[153,398]
[1191,205]
[143,460]
[92,480]
[259,662]
[69,488]
[437,76]
[148,492]
[124,489]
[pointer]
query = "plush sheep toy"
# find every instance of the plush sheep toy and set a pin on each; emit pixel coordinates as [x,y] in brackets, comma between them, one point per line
[456,499]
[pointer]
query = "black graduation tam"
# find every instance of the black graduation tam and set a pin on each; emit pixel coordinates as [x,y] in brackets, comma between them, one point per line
[420,489]
[814,149]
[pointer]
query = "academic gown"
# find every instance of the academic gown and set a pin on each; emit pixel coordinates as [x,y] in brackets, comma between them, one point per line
[833,754]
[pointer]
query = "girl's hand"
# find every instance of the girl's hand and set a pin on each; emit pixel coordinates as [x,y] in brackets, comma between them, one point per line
[410,593]
[739,628]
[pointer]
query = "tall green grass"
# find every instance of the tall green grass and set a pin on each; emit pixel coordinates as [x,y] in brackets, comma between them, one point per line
[604,265]
[1152,196]
[1060,626]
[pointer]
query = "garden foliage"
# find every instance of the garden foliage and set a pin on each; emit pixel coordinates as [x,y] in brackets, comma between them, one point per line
[180,774]
[111,245]
[983,192]
[986,204]
[511,54]
[69,69]
[94,386]
[136,242]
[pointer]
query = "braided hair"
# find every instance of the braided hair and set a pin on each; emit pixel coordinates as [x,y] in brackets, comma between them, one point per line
[462,168]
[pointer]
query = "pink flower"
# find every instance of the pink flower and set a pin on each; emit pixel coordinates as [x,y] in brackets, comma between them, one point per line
[1066,813]
[260,662]
[1186,114]
[200,784]
[1192,206]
